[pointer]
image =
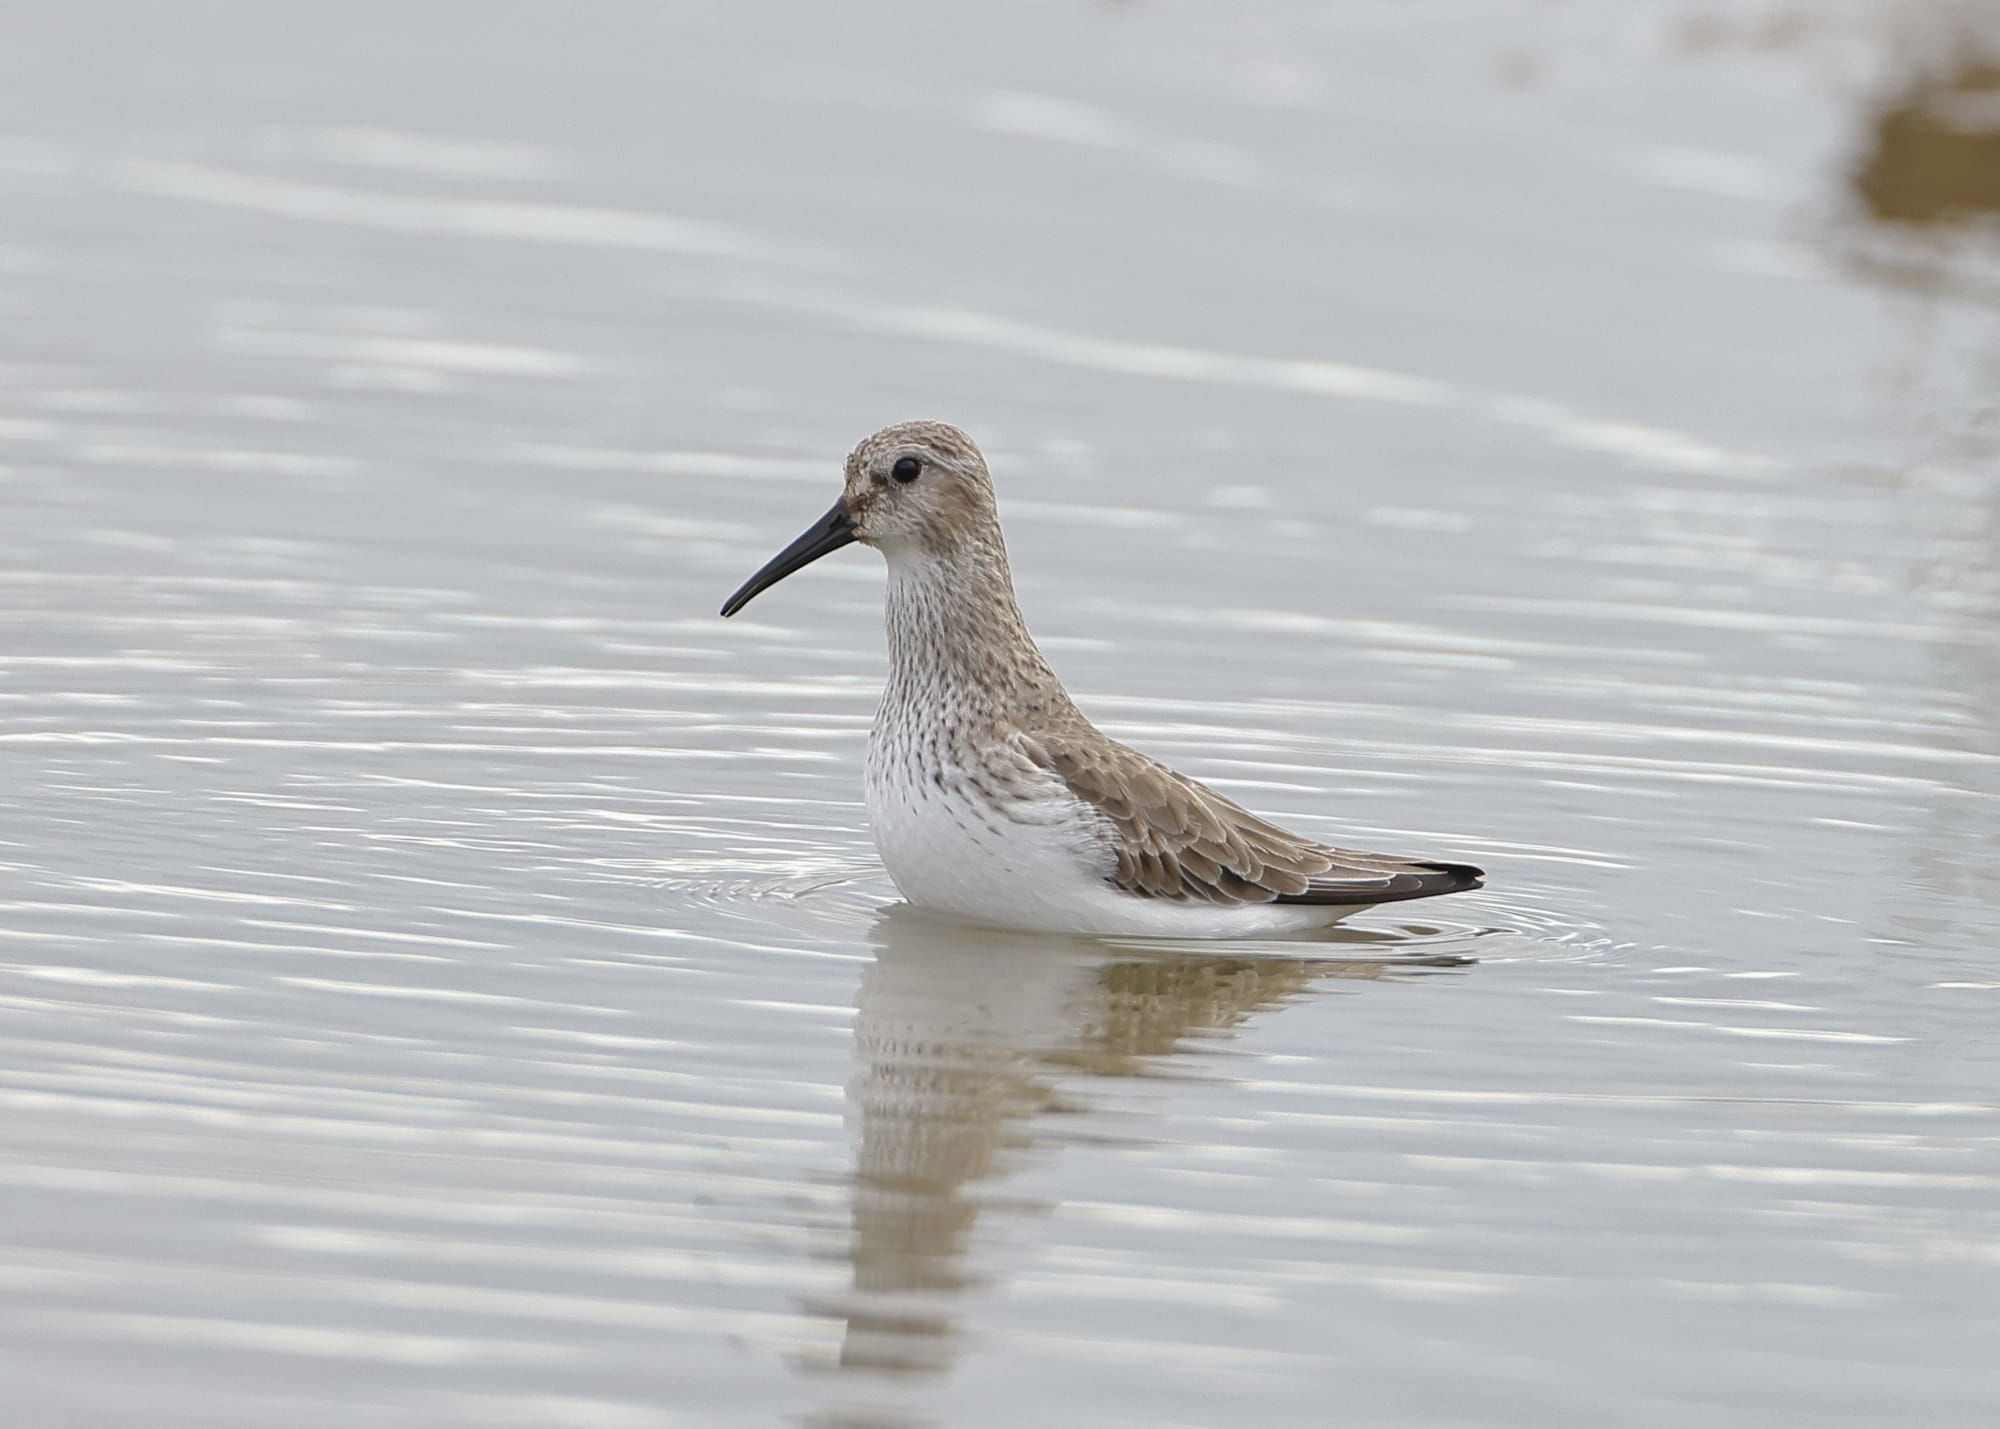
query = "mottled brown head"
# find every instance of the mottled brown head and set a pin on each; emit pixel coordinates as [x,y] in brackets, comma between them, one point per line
[917,488]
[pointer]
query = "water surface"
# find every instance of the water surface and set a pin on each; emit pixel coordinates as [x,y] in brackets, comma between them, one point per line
[445,978]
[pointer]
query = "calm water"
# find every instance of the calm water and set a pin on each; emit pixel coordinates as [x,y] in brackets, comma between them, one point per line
[444,975]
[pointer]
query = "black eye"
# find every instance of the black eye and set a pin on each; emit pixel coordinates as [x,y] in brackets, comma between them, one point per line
[906,468]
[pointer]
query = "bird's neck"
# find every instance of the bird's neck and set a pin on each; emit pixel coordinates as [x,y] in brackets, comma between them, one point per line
[958,645]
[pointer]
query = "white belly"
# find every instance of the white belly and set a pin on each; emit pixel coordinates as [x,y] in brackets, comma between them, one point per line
[1036,861]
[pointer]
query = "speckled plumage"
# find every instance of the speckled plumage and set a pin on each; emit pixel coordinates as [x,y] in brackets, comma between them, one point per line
[991,795]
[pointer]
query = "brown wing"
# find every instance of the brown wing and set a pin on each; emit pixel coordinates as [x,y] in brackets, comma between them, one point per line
[1177,839]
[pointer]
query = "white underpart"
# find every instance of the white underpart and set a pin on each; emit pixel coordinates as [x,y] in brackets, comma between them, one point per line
[1033,866]
[975,831]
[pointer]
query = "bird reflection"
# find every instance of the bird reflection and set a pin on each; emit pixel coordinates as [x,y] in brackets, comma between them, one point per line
[964,1039]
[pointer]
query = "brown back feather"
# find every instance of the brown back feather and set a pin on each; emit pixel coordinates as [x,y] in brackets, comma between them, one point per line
[1180,840]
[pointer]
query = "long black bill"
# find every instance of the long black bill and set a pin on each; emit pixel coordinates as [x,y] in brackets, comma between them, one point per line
[829,533]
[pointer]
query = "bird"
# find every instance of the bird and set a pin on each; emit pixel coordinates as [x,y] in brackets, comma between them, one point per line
[992,799]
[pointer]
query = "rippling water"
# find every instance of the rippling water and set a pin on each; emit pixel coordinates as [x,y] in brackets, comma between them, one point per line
[445,978]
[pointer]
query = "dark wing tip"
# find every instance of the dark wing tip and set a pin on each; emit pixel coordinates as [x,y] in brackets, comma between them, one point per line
[1462,875]
[1422,880]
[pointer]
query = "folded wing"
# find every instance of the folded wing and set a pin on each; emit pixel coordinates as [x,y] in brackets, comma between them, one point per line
[1177,839]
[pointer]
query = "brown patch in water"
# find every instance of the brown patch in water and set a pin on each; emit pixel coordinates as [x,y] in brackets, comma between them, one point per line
[1934,151]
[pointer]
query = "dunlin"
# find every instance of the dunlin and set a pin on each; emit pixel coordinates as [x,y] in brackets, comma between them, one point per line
[992,798]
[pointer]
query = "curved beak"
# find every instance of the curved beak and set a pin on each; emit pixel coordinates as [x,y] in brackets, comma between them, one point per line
[829,533]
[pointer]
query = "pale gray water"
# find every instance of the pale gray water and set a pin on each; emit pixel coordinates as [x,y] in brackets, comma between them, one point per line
[444,972]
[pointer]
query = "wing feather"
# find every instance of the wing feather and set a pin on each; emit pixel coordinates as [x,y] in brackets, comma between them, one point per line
[1177,839]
